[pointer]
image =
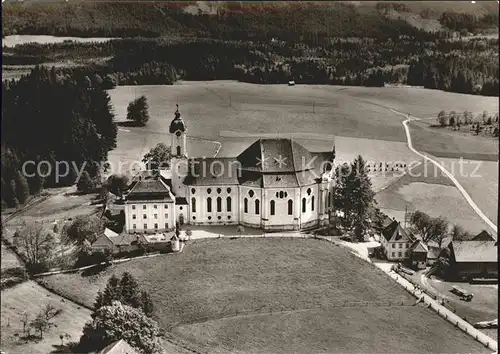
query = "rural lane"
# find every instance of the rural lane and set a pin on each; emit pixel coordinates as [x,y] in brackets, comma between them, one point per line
[445,171]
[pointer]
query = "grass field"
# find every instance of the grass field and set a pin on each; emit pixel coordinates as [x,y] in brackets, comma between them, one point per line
[31,297]
[281,296]
[480,179]
[8,259]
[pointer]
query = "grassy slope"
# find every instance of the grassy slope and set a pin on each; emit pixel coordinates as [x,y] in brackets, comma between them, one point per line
[213,279]
[31,297]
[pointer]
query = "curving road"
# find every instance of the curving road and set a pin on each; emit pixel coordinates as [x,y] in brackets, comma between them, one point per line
[444,170]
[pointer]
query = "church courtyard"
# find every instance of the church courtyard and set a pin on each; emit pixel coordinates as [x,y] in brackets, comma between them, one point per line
[280,295]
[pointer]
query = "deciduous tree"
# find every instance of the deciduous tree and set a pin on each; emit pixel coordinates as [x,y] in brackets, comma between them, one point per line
[159,156]
[137,111]
[36,243]
[118,321]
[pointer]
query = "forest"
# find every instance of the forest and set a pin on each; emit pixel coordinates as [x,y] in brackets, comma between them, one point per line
[48,117]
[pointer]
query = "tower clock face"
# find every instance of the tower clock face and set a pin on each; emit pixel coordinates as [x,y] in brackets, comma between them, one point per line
[178,133]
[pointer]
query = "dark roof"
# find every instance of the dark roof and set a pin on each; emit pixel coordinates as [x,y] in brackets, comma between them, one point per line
[147,185]
[483,236]
[395,233]
[209,171]
[181,201]
[177,123]
[266,163]
[275,155]
[475,251]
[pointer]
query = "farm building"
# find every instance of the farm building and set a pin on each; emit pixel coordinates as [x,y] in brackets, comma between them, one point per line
[473,259]
[419,251]
[483,236]
[275,184]
[118,347]
[117,243]
[396,242]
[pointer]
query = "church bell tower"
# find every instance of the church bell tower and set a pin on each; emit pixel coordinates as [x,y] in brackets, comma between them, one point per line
[179,163]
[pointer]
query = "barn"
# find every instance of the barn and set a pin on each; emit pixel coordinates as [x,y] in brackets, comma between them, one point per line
[473,259]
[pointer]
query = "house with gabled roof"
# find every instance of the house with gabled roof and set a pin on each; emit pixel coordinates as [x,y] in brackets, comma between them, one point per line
[473,259]
[396,242]
[117,243]
[483,236]
[419,251]
[274,184]
[118,347]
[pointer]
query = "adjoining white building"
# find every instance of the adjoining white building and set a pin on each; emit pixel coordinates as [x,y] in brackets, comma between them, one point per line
[396,242]
[274,184]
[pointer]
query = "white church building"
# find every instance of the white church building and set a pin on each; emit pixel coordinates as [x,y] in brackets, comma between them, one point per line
[274,184]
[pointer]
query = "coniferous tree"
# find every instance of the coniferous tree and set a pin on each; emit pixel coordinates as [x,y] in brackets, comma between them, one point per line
[22,188]
[130,292]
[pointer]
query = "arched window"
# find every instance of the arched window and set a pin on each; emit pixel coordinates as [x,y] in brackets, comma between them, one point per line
[193,205]
[281,194]
[245,205]
[228,204]
[303,205]
[178,150]
[330,198]
[290,207]
[257,206]
[273,204]
[209,205]
[219,204]
[312,203]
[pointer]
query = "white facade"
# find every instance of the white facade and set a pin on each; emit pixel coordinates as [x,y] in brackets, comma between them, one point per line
[396,251]
[272,203]
[149,216]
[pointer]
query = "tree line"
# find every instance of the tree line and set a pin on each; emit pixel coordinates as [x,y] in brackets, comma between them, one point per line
[60,124]
[463,66]
[300,21]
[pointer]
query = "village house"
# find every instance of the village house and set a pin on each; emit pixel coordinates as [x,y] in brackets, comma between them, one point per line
[473,259]
[396,242]
[118,347]
[419,252]
[118,243]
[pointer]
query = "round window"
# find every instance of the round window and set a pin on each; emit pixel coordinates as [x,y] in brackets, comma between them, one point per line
[219,190]
[229,217]
[209,218]
[308,191]
[229,190]
[251,193]
[219,217]
[194,217]
[193,190]
[209,190]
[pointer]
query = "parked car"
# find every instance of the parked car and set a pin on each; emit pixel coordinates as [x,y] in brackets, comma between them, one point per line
[464,294]
[487,324]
